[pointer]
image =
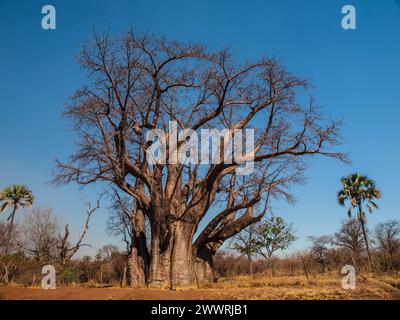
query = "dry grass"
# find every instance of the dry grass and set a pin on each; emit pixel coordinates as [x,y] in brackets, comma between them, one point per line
[257,287]
[326,286]
[257,281]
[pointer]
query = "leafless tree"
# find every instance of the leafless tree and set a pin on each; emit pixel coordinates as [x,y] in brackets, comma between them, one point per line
[39,234]
[65,250]
[3,237]
[112,264]
[106,252]
[350,236]
[121,221]
[9,251]
[140,82]
[387,235]
[320,250]
[245,243]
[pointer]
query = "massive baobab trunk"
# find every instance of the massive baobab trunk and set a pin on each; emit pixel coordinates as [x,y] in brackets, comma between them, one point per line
[178,264]
[140,85]
[181,254]
[171,262]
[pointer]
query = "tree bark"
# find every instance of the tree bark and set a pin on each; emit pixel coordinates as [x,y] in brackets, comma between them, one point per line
[139,258]
[137,267]
[182,260]
[177,264]
[170,262]
[10,229]
[173,265]
[250,264]
[367,244]
[303,260]
[361,218]
[273,267]
[204,265]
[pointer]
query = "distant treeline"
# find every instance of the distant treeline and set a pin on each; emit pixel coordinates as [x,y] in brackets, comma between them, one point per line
[38,241]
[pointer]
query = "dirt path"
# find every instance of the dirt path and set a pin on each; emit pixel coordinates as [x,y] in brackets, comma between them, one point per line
[370,291]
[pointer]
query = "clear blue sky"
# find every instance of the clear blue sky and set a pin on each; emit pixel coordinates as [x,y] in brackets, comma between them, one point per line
[355,74]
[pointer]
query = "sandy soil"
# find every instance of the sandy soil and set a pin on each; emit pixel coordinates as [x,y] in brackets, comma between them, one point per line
[363,291]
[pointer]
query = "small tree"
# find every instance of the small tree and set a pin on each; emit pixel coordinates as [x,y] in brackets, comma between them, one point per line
[106,252]
[273,235]
[15,239]
[70,274]
[350,236]
[112,264]
[9,263]
[39,234]
[246,244]
[387,235]
[320,250]
[65,250]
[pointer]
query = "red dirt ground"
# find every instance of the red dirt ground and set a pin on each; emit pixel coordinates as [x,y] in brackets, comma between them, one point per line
[365,291]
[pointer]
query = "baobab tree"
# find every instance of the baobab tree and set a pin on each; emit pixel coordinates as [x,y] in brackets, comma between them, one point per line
[139,83]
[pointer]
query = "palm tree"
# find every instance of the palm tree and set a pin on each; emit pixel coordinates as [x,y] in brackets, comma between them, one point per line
[359,191]
[15,197]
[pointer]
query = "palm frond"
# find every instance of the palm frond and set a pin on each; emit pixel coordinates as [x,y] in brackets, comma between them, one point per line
[5,206]
[349,212]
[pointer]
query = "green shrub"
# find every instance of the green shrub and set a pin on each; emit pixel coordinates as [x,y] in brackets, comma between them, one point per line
[70,274]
